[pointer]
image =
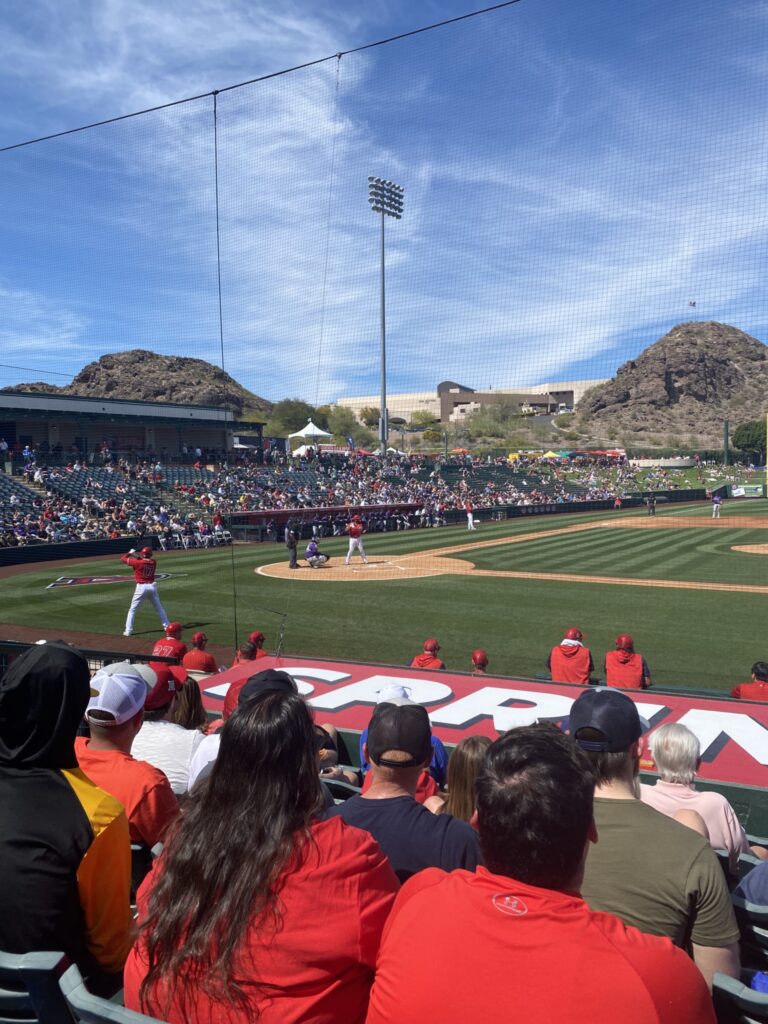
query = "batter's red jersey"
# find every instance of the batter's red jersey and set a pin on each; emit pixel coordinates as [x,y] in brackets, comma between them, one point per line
[355,529]
[144,569]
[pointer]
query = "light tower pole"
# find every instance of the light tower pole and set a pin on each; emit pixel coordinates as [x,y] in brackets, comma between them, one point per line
[386,199]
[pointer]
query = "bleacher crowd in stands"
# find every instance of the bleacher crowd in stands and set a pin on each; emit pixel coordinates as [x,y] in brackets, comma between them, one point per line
[545,882]
[112,496]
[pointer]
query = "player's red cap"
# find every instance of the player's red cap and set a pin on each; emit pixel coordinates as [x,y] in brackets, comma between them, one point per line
[431,645]
[174,629]
[170,679]
[256,637]
[624,642]
[479,658]
[146,552]
[199,638]
[573,634]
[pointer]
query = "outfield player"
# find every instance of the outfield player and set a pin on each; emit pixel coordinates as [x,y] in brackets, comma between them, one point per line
[144,568]
[355,529]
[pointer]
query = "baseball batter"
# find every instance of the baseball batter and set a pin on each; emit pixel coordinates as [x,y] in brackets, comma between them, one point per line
[355,530]
[144,569]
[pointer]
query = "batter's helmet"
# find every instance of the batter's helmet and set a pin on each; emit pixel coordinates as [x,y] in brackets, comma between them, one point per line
[431,646]
[146,552]
[174,629]
[256,637]
[198,639]
[479,658]
[573,634]
[624,642]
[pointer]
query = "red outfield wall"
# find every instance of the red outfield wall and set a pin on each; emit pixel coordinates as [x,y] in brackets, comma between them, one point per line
[733,734]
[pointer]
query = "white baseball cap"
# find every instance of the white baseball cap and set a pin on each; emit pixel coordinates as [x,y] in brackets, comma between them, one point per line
[392,691]
[121,694]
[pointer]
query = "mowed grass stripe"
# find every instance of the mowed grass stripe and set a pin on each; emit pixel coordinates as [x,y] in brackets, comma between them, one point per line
[685,554]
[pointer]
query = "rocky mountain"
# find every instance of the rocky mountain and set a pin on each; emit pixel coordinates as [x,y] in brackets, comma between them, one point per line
[680,388]
[148,377]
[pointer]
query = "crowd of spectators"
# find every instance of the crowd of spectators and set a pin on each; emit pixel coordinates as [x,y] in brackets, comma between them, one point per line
[120,496]
[272,901]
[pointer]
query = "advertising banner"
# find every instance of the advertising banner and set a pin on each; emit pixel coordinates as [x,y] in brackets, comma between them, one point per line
[733,734]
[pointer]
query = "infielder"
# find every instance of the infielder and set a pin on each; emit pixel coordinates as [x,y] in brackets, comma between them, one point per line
[355,529]
[144,569]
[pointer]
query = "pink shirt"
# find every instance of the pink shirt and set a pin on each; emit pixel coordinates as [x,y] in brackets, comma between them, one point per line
[725,831]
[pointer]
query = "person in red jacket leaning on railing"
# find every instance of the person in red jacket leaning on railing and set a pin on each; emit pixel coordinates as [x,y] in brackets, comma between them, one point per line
[625,668]
[570,661]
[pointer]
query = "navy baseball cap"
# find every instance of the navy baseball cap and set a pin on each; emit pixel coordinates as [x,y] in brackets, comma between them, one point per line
[400,726]
[604,720]
[262,682]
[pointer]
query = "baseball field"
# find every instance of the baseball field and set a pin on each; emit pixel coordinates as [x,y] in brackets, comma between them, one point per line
[691,590]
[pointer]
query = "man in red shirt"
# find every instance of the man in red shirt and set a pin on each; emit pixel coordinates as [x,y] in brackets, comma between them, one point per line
[429,658]
[171,646]
[198,659]
[144,568]
[115,716]
[624,668]
[523,908]
[758,688]
[570,661]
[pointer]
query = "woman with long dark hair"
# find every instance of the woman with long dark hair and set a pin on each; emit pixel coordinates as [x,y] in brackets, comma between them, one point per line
[256,910]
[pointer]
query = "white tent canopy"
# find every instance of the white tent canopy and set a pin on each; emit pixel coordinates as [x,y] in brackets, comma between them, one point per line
[310,432]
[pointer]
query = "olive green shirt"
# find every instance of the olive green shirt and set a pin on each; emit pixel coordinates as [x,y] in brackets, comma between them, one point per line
[658,876]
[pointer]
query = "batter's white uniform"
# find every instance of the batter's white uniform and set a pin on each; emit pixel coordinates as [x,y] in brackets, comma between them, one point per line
[355,531]
[146,589]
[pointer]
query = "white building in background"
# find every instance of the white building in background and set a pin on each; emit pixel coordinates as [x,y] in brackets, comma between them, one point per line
[452,402]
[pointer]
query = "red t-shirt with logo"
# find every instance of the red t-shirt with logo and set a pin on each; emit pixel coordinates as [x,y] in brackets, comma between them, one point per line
[319,965]
[509,951]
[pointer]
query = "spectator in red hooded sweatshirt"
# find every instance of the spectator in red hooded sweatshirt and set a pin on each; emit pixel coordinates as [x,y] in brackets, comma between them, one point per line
[429,658]
[570,661]
[625,668]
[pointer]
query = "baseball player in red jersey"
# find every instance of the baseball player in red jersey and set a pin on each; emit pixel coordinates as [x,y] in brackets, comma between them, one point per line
[355,529]
[257,639]
[170,646]
[429,658]
[144,568]
[198,658]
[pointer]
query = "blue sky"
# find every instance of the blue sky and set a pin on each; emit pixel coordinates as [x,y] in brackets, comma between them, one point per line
[575,175]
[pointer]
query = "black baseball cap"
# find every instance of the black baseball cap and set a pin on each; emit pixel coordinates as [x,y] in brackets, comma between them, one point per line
[400,726]
[612,719]
[270,679]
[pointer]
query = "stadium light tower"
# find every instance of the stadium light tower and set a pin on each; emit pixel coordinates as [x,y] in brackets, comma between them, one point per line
[386,199]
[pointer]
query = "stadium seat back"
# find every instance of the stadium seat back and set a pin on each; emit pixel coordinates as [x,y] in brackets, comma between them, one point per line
[736,1003]
[29,989]
[93,1009]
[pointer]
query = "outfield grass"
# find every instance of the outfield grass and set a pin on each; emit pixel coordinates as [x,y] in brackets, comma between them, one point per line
[690,638]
